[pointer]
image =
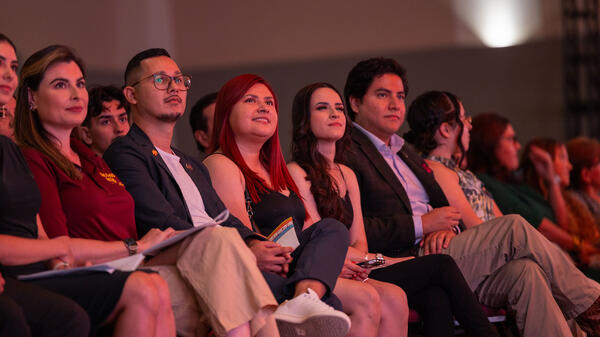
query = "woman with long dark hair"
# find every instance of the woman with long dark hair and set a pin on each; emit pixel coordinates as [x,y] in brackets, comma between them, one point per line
[330,190]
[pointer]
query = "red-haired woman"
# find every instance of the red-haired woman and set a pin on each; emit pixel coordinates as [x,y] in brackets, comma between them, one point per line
[248,172]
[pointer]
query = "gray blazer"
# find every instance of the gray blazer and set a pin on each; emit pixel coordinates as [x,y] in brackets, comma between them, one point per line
[159,202]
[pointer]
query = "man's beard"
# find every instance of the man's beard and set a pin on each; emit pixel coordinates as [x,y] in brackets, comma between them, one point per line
[169,118]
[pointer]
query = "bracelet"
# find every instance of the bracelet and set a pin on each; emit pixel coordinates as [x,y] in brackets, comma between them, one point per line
[60,264]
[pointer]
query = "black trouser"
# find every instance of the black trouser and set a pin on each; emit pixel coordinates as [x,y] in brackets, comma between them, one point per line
[436,288]
[320,256]
[27,310]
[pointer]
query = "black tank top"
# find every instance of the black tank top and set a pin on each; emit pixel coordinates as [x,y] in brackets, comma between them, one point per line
[348,211]
[273,209]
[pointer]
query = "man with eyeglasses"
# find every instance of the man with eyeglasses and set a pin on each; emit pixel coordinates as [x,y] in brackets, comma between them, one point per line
[171,189]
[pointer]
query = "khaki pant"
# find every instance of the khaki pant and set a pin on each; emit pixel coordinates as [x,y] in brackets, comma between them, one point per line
[214,281]
[507,262]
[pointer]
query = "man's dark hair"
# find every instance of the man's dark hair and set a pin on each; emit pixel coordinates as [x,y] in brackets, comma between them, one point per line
[197,119]
[100,95]
[362,75]
[134,63]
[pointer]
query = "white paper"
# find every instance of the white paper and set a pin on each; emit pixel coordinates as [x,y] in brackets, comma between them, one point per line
[184,234]
[129,263]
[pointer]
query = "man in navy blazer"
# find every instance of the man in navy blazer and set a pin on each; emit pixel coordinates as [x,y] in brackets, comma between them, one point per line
[171,189]
[506,261]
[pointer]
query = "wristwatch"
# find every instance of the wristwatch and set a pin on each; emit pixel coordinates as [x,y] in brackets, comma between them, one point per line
[131,246]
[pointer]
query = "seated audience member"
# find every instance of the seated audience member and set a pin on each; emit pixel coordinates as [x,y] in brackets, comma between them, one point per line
[75,200]
[202,117]
[107,118]
[329,189]
[505,261]
[585,177]
[137,303]
[493,157]
[7,113]
[26,310]
[248,173]
[172,190]
[441,130]
[543,157]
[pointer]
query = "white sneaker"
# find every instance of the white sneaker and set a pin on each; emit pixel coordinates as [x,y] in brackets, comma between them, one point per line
[307,316]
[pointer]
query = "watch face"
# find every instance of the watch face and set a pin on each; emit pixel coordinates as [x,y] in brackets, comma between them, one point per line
[131,245]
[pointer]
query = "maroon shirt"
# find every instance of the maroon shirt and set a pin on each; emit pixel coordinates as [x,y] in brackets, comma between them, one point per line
[95,207]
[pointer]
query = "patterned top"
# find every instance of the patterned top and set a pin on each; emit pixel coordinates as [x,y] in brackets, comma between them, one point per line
[480,199]
[592,204]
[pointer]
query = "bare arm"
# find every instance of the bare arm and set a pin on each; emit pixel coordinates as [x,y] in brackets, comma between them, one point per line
[358,236]
[228,181]
[559,206]
[16,251]
[497,211]
[449,182]
[96,251]
[299,177]
[270,256]
[542,161]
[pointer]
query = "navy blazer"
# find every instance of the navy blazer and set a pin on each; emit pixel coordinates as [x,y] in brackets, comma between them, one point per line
[159,202]
[385,204]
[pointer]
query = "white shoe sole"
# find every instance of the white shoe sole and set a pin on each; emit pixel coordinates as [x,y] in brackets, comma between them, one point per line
[314,326]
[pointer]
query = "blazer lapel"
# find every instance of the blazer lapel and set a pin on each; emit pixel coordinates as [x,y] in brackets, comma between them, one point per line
[425,176]
[367,147]
[142,139]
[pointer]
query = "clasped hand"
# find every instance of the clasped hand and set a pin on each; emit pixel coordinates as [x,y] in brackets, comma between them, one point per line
[353,271]
[271,256]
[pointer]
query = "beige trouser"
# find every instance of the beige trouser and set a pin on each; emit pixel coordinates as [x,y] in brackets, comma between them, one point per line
[507,262]
[214,281]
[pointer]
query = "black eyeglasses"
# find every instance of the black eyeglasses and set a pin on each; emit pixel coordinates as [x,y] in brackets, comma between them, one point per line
[162,81]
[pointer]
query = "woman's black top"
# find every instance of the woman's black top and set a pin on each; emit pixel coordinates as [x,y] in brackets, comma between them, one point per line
[273,208]
[348,211]
[20,200]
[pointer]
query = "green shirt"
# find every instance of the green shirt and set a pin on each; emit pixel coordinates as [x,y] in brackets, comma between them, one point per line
[518,199]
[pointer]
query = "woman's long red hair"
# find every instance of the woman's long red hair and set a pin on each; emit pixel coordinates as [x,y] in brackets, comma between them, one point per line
[271,156]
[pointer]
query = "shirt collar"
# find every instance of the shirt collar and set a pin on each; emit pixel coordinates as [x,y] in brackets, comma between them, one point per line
[396,142]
